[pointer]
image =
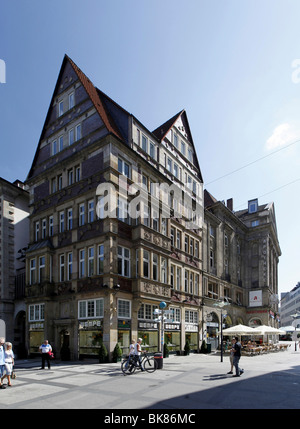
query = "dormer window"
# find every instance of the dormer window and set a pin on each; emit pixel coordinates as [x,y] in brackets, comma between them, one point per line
[252,206]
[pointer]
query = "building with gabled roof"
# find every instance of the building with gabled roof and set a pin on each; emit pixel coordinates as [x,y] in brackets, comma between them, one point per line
[115,226]
[119,223]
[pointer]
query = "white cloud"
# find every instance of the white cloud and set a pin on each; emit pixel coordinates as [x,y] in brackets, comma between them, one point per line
[282,135]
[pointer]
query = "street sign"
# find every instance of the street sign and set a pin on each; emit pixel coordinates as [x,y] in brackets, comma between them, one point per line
[168,320]
[157,311]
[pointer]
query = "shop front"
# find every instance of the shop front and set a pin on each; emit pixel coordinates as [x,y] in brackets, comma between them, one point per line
[212,329]
[36,337]
[124,334]
[192,336]
[149,332]
[172,337]
[90,334]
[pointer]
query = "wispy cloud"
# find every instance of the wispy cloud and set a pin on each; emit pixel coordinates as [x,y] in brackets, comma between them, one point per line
[282,135]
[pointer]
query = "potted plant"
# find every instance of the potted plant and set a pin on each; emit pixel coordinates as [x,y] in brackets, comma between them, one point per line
[166,351]
[102,353]
[187,348]
[203,347]
[117,353]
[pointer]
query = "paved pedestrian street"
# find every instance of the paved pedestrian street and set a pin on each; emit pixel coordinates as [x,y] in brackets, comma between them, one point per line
[197,381]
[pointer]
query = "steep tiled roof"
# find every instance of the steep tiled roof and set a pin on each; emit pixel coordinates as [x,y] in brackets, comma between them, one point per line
[94,96]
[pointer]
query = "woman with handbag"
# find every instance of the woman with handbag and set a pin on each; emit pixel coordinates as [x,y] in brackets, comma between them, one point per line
[9,363]
[45,350]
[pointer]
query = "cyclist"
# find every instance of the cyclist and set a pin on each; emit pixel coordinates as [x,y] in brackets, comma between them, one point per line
[138,352]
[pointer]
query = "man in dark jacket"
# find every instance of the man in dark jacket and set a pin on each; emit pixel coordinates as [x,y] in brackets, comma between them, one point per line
[236,357]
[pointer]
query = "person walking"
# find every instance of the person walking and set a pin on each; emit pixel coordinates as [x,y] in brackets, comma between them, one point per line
[2,361]
[231,358]
[131,348]
[45,349]
[131,354]
[9,363]
[236,347]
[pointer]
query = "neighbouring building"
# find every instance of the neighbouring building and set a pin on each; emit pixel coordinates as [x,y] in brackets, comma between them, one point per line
[240,262]
[289,306]
[14,237]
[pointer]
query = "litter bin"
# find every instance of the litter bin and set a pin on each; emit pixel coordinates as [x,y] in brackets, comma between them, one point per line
[208,348]
[158,357]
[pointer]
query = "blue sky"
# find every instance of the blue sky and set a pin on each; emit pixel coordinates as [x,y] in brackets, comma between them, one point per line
[232,65]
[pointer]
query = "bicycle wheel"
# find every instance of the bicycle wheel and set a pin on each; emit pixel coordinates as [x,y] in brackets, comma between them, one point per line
[150,364]
[128,368]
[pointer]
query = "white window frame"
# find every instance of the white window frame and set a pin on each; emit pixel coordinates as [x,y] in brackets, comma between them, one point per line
[71,100]
[81,214]
[81,263]
[125,261]
[125,312]
[91,309]
[61,221]
[70,265]
[123,166]
[146,264]
[71,136]
[91,212]
[91,261]
[51,226]
[100,259]
[54,147]
[32,271]
[60,108]
[62,267]
[42,266]
[70,219]
[36,312]
[78,132]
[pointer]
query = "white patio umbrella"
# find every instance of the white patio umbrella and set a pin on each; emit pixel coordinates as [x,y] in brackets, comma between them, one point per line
[268,330]
[239,330]
[289,329]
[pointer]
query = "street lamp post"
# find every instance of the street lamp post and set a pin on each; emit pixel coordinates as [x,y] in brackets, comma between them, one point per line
[295,316]
[220,304]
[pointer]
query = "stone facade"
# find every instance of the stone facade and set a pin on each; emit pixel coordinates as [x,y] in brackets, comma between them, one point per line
[14,237]
[117,226]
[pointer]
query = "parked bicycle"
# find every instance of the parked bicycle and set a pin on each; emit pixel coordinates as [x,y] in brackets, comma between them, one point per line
[130,364]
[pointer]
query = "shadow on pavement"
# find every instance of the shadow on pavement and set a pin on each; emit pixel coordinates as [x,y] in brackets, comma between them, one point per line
[275,390]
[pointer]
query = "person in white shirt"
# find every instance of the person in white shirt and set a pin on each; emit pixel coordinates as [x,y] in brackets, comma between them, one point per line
[138,352]
[2,360]
[131,348]
[45,348]
[9,363]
